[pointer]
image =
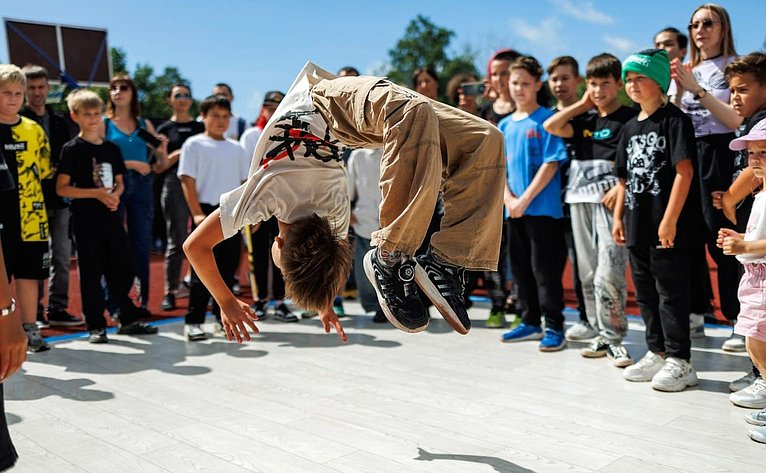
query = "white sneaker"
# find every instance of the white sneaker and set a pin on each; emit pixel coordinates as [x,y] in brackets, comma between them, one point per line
[735,343]
[741,383]
[580,331]
[676,375]
[752,397]
[194,332]
[756,418]
[645,369]
[758,434]
[696,325]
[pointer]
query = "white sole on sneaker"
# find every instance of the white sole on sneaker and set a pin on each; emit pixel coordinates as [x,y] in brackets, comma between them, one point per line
[679,386]
[441,304]
[369,271]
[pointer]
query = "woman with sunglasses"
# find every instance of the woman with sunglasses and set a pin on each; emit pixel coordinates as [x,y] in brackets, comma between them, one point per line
[124,126]
[174,209]
[703,93]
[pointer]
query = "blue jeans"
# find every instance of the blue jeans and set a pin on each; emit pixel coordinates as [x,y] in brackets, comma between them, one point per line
[367,295]
[136,205]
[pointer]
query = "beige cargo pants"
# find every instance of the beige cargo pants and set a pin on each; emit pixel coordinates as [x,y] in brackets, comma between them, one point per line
[427,147]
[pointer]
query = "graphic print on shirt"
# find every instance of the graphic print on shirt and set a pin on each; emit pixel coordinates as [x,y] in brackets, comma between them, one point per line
[642,166]
[297,139]
[103,175]
[33,164]
[697,112]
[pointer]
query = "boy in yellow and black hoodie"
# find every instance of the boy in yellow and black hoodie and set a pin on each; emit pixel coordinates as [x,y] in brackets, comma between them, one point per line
[23,218]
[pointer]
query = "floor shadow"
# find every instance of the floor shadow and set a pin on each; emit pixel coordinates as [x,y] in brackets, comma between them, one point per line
[12,419]
[27,387]
[322,340]
[151,353]
[499,465]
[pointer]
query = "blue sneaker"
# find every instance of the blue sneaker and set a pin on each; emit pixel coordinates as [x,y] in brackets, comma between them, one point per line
[523,332]
[553,340]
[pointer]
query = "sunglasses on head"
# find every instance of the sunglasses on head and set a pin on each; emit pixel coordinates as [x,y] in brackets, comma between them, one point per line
[119,88]
[707,24]
[182,96]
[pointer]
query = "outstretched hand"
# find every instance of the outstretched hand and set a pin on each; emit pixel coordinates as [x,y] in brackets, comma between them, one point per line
[236,317]
[330,319]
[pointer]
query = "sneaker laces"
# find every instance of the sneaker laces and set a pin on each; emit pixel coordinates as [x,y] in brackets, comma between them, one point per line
[756,387]
[675,367]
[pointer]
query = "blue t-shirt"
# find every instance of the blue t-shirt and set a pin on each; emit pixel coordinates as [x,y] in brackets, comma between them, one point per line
[527,147]
[132,147]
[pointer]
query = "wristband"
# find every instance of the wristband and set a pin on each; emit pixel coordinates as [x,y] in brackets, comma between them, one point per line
[6,311]
[700,94]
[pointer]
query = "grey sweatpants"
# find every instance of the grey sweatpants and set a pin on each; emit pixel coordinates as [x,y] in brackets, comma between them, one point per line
[602,266]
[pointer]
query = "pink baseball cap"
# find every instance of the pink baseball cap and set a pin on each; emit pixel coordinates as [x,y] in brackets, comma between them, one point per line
[757,133]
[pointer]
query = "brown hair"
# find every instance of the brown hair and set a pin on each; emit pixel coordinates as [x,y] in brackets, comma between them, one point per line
[315,262]
[754,63]
[727,37]
[135,109]
[529,64]
[33,71]
[603,66]
[564,61]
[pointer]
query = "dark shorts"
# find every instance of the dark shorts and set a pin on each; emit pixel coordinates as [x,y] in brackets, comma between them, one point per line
[8,453]
[26,260]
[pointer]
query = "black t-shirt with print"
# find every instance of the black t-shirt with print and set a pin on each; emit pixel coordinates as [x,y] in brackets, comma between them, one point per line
[91,166]
[594,145]
[177,133]
[646,158]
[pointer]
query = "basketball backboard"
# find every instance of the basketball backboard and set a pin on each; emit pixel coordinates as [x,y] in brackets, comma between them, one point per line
[76,55]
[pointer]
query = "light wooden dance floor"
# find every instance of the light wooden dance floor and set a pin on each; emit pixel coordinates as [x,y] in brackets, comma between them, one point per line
[297,400]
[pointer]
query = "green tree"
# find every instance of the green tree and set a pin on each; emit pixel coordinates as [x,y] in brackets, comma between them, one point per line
[152,89]
[426,45]
[119,60]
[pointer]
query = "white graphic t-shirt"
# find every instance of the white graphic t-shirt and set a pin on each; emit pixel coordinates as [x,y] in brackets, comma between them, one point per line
[709,76]
[756,228]
[297,168]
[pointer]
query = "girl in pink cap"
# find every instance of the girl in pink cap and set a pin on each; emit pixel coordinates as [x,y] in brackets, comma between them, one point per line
[750,248]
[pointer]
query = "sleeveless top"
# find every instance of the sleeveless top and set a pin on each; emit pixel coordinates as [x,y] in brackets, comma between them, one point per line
[132,147]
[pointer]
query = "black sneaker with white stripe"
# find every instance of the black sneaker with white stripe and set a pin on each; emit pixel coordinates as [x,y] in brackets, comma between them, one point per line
[397,292]
[443,283]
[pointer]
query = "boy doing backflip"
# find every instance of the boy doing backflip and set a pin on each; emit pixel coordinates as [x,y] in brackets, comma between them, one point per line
[297,175]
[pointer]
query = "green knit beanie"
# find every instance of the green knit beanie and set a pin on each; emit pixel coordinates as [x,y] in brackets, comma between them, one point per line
[652,63]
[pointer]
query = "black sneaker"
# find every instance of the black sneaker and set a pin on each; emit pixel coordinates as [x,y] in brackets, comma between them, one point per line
[284,314]
[168,302]
[379,317]
[443,284]
[260,310]
[143,313]
[136,328]
[63,318]
[97,336]
[397,292]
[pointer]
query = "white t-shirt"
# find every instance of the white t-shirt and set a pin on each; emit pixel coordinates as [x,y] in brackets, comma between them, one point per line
[709,76]
[297,168]
[218,166]
[364,189]
[756,228]
[248,140]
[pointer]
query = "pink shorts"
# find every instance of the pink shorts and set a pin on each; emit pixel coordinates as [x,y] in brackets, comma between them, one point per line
[752,302]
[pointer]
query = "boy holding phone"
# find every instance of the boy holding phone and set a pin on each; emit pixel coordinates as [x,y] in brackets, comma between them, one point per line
[90,173]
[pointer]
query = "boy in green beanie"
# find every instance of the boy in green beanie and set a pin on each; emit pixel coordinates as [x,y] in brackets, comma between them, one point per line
[658,217]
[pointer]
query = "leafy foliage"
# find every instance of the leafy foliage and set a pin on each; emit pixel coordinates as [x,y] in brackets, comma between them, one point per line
[426,45]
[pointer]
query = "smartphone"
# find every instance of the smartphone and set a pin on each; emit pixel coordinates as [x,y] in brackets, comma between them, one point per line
[473,88]
[148,137]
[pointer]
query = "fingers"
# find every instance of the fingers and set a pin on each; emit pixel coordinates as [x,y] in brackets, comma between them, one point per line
[4,364]
[339,329]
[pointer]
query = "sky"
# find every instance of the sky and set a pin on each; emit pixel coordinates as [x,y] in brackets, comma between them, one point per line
[257,46]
